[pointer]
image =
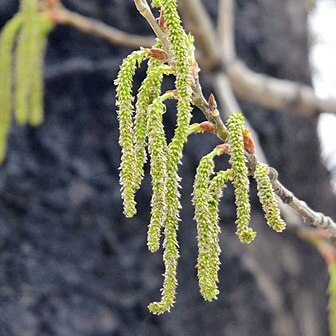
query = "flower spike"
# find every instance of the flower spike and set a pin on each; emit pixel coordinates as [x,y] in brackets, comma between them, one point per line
[207,235]
[240,180]
[267,198]
[124,83]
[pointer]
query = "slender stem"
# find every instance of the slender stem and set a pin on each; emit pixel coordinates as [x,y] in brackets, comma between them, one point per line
[309,216]
[226,33]
[144,9]
[97,28]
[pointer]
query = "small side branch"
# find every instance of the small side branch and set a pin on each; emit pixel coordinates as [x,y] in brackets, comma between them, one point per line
[277,94]
[97,28]
[308,215]
[209,109]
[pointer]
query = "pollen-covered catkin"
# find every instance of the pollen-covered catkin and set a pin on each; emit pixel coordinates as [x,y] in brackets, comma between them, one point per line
[124,103]
[150,89]
[241,183]
[178,39]
[332,299]
[41,29]
[208,244]
[267,198]
[157,148]
[24,60]
[7,41]
[215,192]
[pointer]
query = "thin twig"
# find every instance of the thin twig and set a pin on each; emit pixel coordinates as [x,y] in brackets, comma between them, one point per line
[144,9]
[226,34]
[208,46]
[97,28]
[308,215]
[278,94]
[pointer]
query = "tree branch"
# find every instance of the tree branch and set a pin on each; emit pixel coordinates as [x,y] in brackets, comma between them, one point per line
[278,94]
[308,215]
[226,34]
[282,95]
[97,28]
[212,114]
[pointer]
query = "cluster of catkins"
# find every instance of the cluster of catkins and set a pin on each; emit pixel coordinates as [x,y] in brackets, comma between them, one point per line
[142,126]
[22,48]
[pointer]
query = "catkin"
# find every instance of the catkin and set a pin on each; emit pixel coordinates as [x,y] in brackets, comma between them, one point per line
[7,40]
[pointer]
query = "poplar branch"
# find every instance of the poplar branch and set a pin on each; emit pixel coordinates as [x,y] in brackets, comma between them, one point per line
[97,28]
[309,216]
[267,91]
[212,114]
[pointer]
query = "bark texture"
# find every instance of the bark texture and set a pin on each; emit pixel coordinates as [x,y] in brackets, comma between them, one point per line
[71,264]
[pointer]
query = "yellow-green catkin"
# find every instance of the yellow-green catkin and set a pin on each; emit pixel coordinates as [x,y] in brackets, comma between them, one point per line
[157,146]
[235,126]
[41,28]
[267,198]
[208,245]
[23,63]
[182,62]
[215,192]
[124,103]
[150,89]
[7,41]
[332,299]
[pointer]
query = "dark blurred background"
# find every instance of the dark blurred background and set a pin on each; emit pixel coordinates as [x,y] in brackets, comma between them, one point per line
[72,265]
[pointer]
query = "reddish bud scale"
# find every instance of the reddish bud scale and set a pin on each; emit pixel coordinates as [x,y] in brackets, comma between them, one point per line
[207,126]
[212,102]
[158,54]
[225,148]
[195,70]
[248,142]
[162,22]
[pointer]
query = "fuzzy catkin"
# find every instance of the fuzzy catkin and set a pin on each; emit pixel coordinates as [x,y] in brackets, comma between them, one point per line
[215,192]
[241,183]
[177,38]
[267,198]
[23,63]
[332,299]
[124,103]
[7,40]
[157,148]
[41,29]
[207,261]
[150,89]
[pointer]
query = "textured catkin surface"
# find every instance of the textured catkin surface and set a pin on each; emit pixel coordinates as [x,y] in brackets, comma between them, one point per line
[71,264]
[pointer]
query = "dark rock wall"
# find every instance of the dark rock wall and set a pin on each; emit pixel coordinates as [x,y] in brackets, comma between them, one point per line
[71,264]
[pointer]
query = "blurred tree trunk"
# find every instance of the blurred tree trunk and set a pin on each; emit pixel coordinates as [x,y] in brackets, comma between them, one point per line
[71,264]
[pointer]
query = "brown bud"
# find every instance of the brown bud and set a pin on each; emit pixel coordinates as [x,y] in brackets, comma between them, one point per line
[158,54]
[162,22]
[248,142]
[207,126]
[225,148]
[195,70]
[212,102]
